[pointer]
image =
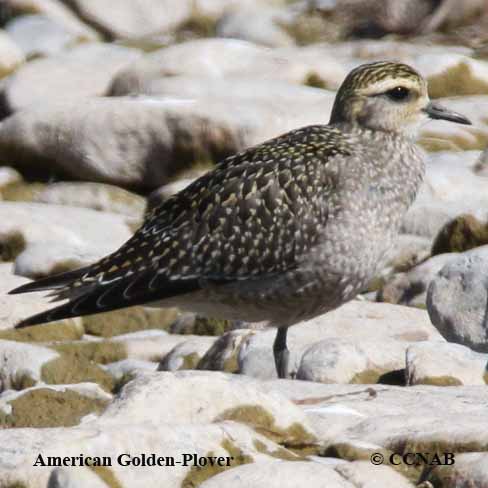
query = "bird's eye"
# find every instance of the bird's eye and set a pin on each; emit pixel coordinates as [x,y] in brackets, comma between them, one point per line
[398,94]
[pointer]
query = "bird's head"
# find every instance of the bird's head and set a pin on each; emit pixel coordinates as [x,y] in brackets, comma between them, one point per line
[387,96]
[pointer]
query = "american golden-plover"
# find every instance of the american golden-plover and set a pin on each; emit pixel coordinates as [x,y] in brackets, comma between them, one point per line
[281,232]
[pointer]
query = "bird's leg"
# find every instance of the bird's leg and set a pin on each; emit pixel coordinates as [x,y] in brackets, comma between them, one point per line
[281,353]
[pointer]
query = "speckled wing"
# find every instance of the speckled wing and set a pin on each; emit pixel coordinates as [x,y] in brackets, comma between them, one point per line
[256,215]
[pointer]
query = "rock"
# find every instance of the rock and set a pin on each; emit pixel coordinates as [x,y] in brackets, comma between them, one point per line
[39,35]
[133,19]
[13,308]
[337,360]
[143,142]
[127,320]
[250,90]
[454,75]
[469,469]
[357,321]
[51,406]
[410,288]
[460,234]
[186,355]
[145,345]
[21,364]
[278,475]
[264,26]
[361,473]
[409,251]
[8,178]
[121,370]
[457,298]
[199,397]
[82,232]
[25,365]
[450,188]
[20,448]
[223,355]
[230,58]
[11,56]
[84,70]
[354,421]
[56,11]
[75,478]
[443,364]
[437,135]
[98,196]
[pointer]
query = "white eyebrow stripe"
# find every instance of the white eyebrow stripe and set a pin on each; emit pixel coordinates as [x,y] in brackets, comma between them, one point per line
[383,86]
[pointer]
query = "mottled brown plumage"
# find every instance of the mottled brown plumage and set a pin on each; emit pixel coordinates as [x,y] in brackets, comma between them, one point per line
[281,232]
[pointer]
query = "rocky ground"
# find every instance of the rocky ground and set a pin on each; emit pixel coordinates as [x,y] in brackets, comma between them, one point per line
[106,112]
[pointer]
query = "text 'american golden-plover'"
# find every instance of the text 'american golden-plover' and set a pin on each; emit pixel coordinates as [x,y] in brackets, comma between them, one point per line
[281,232]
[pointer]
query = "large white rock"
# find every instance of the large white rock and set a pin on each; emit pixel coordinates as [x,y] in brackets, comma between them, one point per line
[443,363]
[450,188]
[74,231]
[230,58]
[196,397]
[40,35]
[21,364]
[368,418]
[284,474]
[469,469]
[81,71]
[20,448]
[133,18]
[57,11]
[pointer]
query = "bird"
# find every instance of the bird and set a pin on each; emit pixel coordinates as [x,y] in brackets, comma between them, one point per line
[280,232]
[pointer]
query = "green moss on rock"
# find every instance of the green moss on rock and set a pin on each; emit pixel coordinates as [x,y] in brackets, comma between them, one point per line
[458,80]
[71,368]
[190,361]
[460,234]
[439,381]
[264,422]
[107,476]
[63,330]
[128,320]
[44,407]
[102,352]
[197,474]
[11,245]
[22,192]
[367,377]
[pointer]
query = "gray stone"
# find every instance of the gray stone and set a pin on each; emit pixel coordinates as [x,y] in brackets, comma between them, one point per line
[457,299]
[75,477]
[55,10]
[338,360]
[81,71]
[444,364]
[39,35]
[470,469]
[230,58]
[133,19]
[263,26]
